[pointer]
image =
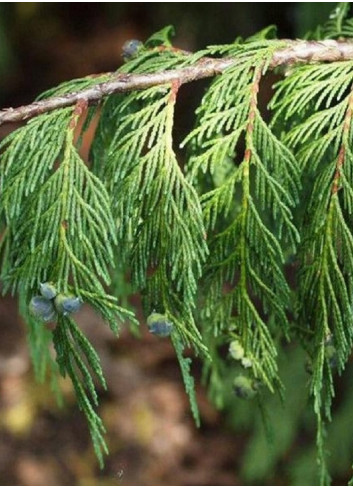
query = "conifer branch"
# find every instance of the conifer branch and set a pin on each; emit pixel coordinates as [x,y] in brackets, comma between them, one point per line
[345,135]
[294,52]
[315,104]
[205,248]
[245,255]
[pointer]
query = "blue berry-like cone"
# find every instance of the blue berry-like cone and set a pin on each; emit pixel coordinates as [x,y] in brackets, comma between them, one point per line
[42,308]
[67,304]
[48,290]
[72,304]
[131,49]
[159,325]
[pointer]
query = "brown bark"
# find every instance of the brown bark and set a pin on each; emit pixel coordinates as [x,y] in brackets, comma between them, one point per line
[294,52]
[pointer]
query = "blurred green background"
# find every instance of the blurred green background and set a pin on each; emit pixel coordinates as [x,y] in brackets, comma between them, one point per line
[150,431]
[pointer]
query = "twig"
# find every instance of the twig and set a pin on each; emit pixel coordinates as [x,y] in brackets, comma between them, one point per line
[295,52]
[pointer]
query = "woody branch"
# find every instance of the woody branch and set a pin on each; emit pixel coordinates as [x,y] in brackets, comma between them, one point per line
[294,52]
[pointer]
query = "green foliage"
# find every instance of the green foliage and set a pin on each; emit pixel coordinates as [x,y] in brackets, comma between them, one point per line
[337,26]
[212,244]
[59,229]
[76,357]
[189,383]
[39,341]
[153,200]
[245,248]
[162,37]
[322,142]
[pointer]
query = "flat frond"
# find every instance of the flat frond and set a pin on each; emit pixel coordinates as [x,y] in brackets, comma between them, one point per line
[322,144]
[160,227]
[244,276]
[77,359]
